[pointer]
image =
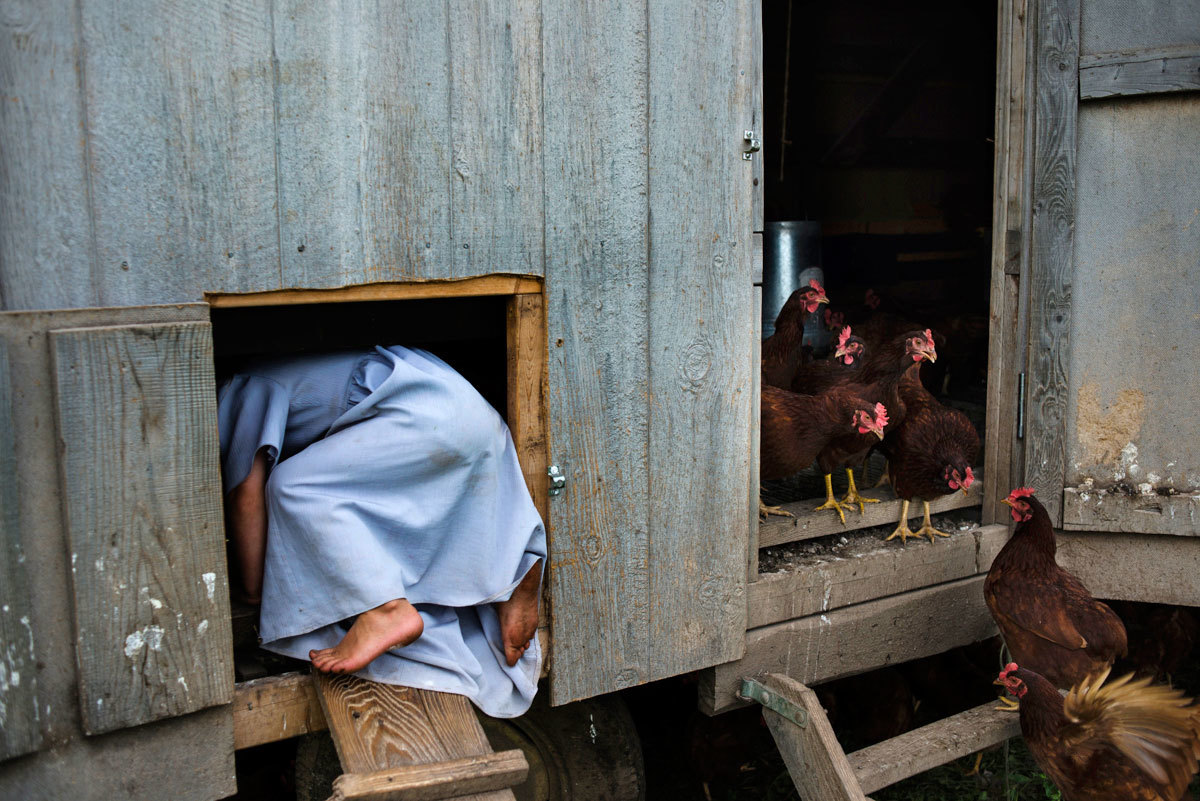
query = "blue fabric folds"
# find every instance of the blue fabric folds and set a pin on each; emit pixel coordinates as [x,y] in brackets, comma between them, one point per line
[394,478]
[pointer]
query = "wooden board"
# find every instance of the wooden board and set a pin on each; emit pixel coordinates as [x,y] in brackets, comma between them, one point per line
[1145,72]
[479,286]
[597,291]
[275,708]
[1096,510]
[136,406]
[180,132]
[45,214]
[1134,567]
[1052,266]
[450,779]
[754,488]
[868,571]
[20,716]
[526,379]
[855,639]
[701,325]
[377,726]
[1109,26]
[808,525]
[923,749]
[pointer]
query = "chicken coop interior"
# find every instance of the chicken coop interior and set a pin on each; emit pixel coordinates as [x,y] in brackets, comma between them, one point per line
[878,138]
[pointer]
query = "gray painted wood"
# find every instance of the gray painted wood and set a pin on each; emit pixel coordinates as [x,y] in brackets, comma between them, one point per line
[45,232]
[701,326]
[496,126]
[120,764]
[181,148]
[1098,510]
[20,716]
[1134,567]
[136,406]
[1144,72]
[814,757]
[855,639]
[1108,26]
[1050,289]
[597,288]
[758,124]
[1134,418]
[753,487]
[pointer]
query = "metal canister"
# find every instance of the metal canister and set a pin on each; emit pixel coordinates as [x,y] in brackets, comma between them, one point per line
[791,257]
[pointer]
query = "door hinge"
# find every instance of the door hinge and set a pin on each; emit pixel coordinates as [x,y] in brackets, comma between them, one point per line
[1021,406]
[753,145]
[753,691]
[557,480]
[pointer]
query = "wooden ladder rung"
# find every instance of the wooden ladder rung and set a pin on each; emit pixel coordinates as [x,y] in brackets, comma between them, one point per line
[434,781]
[922,749]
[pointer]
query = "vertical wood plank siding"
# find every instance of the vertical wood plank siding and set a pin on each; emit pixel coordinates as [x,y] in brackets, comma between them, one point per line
[20,718]
[701,310]
[181,151]
[1053,231]
[45,236]
[136,406]
[597,290]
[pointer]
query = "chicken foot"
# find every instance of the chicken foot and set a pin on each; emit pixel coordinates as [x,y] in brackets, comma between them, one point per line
[902,530]
[852,496]
[765,511]
[1009,705]
[927,529]
[830,502]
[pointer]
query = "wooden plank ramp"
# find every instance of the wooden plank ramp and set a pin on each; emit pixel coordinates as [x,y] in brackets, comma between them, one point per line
[822,771]
[404,744]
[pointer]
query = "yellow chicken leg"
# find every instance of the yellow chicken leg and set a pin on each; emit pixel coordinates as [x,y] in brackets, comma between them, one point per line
[765,511]
[927,529]
[902,531]
[830,503]
[1009,705]
[852,496]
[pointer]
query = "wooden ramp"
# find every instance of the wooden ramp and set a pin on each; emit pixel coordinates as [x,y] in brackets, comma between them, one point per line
[822,771]
[404,744]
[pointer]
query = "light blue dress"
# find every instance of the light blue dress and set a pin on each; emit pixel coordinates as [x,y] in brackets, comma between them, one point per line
[391,478]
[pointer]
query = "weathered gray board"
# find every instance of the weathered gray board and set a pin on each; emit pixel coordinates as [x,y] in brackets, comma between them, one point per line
[1134,416]
[72,765]
[142,498]
[1110,26]
[20,717]
[1172,69]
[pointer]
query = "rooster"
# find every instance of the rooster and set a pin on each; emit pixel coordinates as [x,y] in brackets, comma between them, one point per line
[795,429]
[929,453]
[1127,740]
[1049,620]
[781,350]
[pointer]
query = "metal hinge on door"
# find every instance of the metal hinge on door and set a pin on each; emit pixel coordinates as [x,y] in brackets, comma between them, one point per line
[753,145]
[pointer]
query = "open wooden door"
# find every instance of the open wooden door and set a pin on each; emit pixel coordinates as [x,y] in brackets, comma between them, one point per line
[112,531]
[649,212]
[1112,424]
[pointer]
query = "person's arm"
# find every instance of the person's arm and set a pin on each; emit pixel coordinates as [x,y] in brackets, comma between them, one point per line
[246,520]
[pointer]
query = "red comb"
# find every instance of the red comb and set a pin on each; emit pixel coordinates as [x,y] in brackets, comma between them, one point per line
[813,283]
[843,336]
[1009,668]
[1020,492]
[929,337]
[881,415]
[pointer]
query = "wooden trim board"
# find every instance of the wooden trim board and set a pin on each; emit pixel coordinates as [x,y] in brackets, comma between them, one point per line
[275,708]
[808,525]
[1106,75]
[1097,510]
[449,779]
[480,286]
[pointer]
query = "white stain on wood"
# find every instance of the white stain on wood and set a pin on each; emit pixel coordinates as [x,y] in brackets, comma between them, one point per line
[210,584]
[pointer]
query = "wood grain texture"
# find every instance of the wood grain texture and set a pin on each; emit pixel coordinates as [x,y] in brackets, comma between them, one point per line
[1053,236]
[1147,72]
[181,148]
[809,524]
[1109,26]
[20,716]
[1010,209]
[923,749]
[377,726]
[701,327]
[855,639]
[449,779]
[526,378]
[136,406]
[1134,567]
[814,757]
[1095,510]
[869,571]
[758,125]
[274,708]
[45,213]
[478,286]
[496,129]
[597,290]
[754,488]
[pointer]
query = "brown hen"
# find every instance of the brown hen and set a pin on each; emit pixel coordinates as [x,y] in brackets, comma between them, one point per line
[1125,740]
[781,350]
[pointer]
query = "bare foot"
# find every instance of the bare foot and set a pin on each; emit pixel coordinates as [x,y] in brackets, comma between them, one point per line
[519,615]
[376,630]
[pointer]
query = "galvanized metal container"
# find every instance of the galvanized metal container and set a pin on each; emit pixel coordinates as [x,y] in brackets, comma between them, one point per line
[792,257]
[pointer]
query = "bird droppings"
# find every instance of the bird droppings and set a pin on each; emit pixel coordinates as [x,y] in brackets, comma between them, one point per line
[149,637]
[202,627]
[210,584]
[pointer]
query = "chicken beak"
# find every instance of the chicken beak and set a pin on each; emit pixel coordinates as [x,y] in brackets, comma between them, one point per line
[823,299]
[999,682]
[931,357]
[1006,502]
[878,433]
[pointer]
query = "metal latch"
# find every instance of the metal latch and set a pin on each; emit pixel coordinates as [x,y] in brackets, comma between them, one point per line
[557,480]
[753,145]
[753,691]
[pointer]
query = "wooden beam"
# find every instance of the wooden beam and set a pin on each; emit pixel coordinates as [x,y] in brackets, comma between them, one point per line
[526,371]
[1053,248]
[922,749]
[275,708]
[1134,567]
[867,571]
[855,639]
[449,779]
[1105,75]
[1098,510]
[483,285]
[807,525]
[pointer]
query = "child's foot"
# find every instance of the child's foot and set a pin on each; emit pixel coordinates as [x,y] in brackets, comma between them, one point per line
[375,631]
[519,615]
